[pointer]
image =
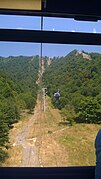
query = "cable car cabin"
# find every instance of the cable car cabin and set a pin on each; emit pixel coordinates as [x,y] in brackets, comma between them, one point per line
[80,10]
[57,96]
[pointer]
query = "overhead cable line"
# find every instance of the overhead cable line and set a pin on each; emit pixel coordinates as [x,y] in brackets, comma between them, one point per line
[40,63]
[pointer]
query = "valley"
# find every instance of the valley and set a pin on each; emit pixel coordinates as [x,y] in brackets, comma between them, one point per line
[63,133]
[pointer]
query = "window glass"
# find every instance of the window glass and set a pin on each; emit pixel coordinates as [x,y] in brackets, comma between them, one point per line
[20,22]
[49,105]
[71,25]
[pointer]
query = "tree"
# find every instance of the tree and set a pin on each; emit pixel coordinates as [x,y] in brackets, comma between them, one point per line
[69,114]
[89,110]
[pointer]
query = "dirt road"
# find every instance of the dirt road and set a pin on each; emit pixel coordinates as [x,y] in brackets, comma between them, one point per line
[33,140]
[23,151]
[29,149]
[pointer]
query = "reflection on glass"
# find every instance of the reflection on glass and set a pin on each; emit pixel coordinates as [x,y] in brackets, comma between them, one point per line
[50,107]
[51,24]
[71,25]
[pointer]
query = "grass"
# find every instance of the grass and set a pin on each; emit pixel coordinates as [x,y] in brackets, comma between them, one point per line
[79,142]
[14,157]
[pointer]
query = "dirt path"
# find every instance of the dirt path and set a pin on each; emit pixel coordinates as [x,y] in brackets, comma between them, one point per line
[29,151]
[33,140]
[23,151]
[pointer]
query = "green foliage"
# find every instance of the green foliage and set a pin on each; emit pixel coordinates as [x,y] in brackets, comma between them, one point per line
[8,114]
[3,155]
[22,73]
[30,100]
[18,90]
[79,82]
[89,110]
[69,114]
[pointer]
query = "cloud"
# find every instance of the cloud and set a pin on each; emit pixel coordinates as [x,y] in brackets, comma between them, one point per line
[94,30]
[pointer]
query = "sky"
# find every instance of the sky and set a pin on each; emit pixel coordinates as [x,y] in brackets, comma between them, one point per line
[52,24]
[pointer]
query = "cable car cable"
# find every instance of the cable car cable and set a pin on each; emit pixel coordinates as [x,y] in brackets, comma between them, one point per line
[40,63]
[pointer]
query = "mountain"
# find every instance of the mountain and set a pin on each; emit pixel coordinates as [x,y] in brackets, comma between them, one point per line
[23,71]
[78,78]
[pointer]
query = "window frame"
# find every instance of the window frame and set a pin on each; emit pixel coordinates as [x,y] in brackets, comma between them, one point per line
[14,35]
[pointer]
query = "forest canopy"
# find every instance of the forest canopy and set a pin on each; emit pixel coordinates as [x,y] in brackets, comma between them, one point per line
[78,78]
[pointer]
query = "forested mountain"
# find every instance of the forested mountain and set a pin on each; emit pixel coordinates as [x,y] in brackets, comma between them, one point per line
[18,90]
[23,72]
[78,78]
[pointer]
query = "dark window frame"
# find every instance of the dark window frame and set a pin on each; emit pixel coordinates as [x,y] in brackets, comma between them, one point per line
[38,36]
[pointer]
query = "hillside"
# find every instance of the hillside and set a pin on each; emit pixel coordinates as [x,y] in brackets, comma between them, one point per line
[79,82]
[23,72]
[40,140]
[57,137]
[18,91]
